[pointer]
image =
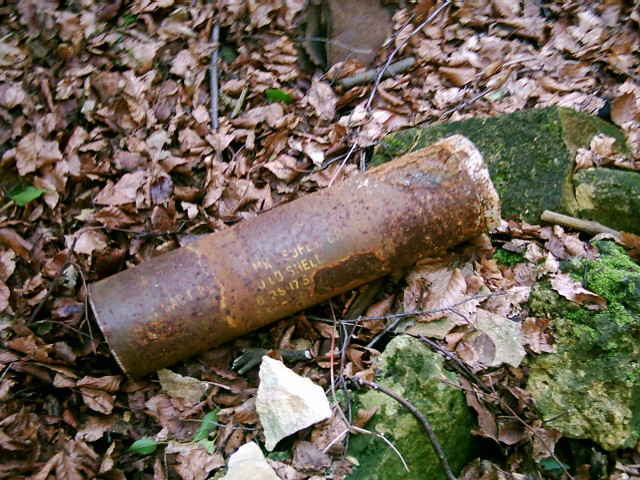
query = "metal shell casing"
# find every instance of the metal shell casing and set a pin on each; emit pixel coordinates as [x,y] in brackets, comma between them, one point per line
[239,279]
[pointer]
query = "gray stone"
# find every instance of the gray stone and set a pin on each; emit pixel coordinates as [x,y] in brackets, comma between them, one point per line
[248,462]
[411,370]
[590,387]
[287,402]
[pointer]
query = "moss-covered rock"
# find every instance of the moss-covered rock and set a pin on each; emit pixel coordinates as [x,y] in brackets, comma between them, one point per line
[590,387]
[530,154]
[410,369]
[610,194]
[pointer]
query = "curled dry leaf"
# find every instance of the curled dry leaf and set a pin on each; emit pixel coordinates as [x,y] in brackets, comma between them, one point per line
[33,152]
[95,427]
[176,385]
[11,94]
[109,383]
[308,457]
[571,290]
[536,334]
[98,400]
[459,76]
[11,239]
[323,99]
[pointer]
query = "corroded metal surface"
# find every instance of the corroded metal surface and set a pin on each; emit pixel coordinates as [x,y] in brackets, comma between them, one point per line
[239,279]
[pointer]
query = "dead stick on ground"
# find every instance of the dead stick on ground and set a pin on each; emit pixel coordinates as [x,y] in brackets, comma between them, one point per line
[419,416]
[213,75]
[399,47]
[369,75]
[587,226]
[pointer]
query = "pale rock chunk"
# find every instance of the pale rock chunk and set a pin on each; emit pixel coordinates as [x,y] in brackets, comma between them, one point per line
[248,462]
[287,402]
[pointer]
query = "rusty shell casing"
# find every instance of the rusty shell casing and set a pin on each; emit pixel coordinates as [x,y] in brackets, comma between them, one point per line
[239,279]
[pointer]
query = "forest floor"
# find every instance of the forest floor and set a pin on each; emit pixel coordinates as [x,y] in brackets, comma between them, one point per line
[111,154]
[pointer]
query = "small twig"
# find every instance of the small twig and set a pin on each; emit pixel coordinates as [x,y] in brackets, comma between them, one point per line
[462,368]
[213,75]
[337,43]
[383,438]
[391,316]
[342,164]
[587,226]
[239,103]
[517,417]
[418,415]
[370,75]
[86,303]
[399,47]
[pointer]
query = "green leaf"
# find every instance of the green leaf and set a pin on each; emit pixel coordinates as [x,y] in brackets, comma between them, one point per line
[209,446]
[551,464]
[129,19]
[208,425]
[144,446]
[275,95]
[26,195]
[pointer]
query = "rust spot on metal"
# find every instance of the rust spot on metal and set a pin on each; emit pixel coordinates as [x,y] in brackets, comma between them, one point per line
[239,279]
[342,273]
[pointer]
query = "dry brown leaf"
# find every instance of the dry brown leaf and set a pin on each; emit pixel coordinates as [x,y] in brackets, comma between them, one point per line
[123,192]
[33,152]
[308,457]
[95,427]
[5,293]
[176,385]
[11,94]
[512,432]
[195,463]
[624,109]
[364,415]
[11,239]
[486,420]
[536,334]
[323,99]
[459,76]
[110,383]
[284,167]
[98,400]
[572,290]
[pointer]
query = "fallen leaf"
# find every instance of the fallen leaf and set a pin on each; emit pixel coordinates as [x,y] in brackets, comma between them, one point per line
[10,239]
[323,99]
[98,400]
[33,152]
[176,385]
[572,290]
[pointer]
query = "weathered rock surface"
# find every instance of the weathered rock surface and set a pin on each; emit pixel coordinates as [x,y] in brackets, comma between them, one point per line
[248,462]
[590,386]
[410,369]
[609,193]
[530,155]
[287,402]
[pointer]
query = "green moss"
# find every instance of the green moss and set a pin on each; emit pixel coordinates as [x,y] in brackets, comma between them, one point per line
[410,369]
[593,377]
[507,257]
[529,153]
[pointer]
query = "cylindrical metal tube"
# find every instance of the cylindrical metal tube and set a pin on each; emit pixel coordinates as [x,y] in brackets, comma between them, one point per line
[239,279]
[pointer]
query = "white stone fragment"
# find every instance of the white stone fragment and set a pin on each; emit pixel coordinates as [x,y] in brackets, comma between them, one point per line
[506,335]
[287,402]
[248,462]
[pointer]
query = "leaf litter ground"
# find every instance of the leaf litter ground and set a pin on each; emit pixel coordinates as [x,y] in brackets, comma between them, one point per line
[108,158]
